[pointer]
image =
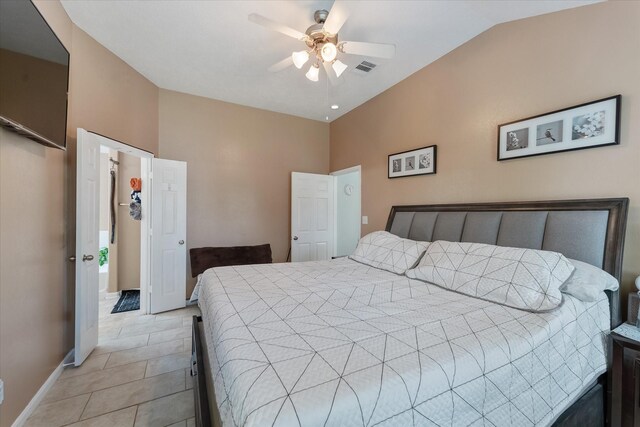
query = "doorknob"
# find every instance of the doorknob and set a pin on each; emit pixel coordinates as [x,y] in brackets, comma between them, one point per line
[181,242]
[72,258]
[295,237]
[87,257]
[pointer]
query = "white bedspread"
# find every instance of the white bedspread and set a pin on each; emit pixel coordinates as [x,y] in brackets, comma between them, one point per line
[339,343]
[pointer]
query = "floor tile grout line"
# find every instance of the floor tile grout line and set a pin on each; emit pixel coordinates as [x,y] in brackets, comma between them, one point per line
[84,408]
[135,417]
[103,367]
[101,415]
[151,358]
[117,385]
[137,405]
[125,364]
[98,389]
[131,348]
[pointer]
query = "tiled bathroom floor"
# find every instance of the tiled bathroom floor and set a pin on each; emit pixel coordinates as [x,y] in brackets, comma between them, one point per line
[138,375]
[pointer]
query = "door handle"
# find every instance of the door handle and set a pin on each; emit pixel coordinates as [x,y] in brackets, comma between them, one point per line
[181,242]
[87,257]
[295,237]
[72,258]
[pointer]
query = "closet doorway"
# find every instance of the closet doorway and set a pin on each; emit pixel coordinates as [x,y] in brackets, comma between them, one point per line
[325,214]
[161,257]
[120,230]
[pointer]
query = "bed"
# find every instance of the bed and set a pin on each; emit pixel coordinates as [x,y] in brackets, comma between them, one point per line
[341,343]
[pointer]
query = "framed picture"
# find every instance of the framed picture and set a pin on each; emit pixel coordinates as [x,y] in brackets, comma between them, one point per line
[421,161]
[589,125]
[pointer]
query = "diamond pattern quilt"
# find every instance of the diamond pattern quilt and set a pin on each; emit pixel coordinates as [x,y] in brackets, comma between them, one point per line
[338,343]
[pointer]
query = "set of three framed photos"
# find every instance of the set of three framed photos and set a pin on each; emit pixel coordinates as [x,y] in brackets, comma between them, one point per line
[589,125]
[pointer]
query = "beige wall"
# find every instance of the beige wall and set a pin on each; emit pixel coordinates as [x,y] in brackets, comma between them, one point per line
[33,292]
[32,260]
[512,71]
[239,164]
[37,210]
[108,97]
[34,93]
[128,229]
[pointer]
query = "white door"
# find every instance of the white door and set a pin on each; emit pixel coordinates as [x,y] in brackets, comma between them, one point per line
[312,217]
[87,233]
[168,235]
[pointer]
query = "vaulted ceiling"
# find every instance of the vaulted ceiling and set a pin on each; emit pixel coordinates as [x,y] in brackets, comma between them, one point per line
[211,49]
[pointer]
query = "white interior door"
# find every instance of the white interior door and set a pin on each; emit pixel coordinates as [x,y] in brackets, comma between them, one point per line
[168,235]
[312,217]
[87,233]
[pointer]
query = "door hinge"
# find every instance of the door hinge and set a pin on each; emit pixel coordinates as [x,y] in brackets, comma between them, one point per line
[150,289]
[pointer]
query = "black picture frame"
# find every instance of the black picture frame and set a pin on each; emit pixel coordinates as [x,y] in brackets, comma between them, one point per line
[528,131]
[418,168]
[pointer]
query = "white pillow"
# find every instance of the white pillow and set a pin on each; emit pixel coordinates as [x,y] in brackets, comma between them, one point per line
[588,282]
[527,279]
[389,252]
[196,289]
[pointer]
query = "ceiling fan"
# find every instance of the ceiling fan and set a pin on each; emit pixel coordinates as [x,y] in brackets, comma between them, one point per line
[323,46]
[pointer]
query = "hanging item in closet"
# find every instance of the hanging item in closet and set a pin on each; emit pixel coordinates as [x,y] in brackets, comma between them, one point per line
[112,205]
[135,207]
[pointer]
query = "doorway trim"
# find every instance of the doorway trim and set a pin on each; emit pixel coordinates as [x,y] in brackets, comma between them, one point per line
[145,224]
[345,171]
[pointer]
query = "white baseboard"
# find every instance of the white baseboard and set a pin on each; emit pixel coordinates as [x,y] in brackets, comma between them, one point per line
[37,398]
[110,295]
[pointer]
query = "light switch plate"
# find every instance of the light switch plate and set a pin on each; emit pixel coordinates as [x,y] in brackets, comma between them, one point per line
[365,220]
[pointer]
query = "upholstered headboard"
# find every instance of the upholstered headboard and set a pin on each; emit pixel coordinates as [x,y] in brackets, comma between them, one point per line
[587,230]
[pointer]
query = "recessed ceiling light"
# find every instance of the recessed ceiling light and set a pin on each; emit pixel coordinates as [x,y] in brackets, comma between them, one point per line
[335,106]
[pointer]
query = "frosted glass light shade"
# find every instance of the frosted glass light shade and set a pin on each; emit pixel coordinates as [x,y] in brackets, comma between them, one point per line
[338,67]
[328,52]
[300,58]
[313,73]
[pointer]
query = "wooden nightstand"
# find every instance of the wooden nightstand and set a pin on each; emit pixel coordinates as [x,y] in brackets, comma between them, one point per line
[625,376]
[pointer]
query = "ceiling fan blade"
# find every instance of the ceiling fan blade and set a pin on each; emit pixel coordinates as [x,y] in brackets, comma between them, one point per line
[275,26]
[279,66]
[331,75]
[337,17]
[376,50]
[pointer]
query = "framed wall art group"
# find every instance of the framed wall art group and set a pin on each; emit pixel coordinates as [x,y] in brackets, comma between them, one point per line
[421,161]
[589,125]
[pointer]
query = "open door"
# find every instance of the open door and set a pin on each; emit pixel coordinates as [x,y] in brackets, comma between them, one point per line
[312,217]
[168,235]
[87,232]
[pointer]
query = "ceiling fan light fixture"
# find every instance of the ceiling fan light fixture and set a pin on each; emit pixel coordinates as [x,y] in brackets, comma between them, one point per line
[313,73]
[339,67]
[328,52]
[300,58]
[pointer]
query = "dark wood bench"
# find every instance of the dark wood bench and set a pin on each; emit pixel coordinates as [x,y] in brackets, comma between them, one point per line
[204,258]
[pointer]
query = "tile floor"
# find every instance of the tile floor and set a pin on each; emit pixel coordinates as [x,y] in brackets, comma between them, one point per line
[138,375]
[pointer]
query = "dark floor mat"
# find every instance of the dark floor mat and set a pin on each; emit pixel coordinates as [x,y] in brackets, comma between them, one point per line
[129,301]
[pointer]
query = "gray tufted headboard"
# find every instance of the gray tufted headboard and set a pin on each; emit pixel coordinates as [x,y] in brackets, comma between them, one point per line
[587,230]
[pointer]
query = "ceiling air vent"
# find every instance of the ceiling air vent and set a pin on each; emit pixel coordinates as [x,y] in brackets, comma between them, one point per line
[365,66]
